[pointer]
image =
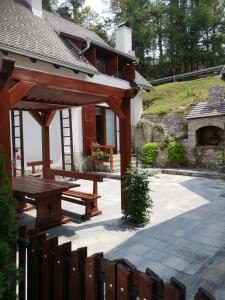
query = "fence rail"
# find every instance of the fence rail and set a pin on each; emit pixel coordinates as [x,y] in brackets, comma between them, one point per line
[55,272]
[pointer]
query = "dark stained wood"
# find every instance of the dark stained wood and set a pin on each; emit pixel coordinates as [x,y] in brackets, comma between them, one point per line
[89,128]
[49,117]
[35,106]
[112,65]
[6,69]
[37,116]
[72,174]
[115,104]
[45,148]
[61,82]
[47,194]
[45,94]
[57,272]
[91,56]
[129,72]
[18,91]
[125,145]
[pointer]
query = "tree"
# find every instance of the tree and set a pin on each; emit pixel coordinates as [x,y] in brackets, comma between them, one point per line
[174,36]
[8,273]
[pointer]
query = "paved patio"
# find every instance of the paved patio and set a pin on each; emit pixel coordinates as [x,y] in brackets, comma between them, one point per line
[185,238]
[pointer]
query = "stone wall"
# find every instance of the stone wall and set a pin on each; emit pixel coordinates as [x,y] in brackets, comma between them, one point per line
[175,124]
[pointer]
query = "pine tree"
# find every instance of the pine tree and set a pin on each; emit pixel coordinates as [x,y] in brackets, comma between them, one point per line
[8,272]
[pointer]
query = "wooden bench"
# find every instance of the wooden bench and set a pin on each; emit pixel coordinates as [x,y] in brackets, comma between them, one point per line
[90,201]
[34,164]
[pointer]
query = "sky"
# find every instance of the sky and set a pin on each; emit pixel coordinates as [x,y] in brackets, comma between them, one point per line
[96,5]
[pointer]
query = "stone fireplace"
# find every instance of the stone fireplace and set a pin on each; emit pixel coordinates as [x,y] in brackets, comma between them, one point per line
[209,136]
[206,123]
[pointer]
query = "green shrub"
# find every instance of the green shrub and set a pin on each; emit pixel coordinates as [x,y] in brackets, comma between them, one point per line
[138,200]
[150,153]
[167,139]
[176,153]
[181,136]
[8,274]
[159,127]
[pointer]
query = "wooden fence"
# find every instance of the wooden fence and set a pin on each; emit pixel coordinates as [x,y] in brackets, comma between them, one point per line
[55,272]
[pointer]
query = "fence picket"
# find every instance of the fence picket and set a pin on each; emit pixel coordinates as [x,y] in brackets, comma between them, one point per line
[202,294]
[77,271]
[175,290]
[123,280]
[145,287]
[54,272]
[109,269]
[22,261]
[45,269]
[91,284]
[157,284]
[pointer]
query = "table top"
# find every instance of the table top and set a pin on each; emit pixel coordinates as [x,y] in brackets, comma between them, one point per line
[32,186]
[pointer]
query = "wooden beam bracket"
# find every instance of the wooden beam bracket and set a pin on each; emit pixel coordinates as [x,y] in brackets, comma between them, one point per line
[115,104]
[18,91]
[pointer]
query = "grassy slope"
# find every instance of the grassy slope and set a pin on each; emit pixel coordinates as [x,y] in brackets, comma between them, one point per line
[171,95]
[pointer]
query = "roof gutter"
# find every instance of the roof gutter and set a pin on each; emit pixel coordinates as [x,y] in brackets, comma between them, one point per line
[29,54]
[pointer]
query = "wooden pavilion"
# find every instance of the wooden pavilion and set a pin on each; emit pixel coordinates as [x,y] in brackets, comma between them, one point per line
[42,94]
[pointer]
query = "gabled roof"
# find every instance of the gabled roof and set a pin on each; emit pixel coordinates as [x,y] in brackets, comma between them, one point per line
[62,25]
[66,26]
[203,110]
[23,33]
[142,82]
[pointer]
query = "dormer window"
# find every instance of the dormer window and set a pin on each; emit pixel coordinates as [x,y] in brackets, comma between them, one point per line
[101,65]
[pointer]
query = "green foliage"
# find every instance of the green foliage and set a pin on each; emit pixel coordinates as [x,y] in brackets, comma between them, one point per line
[150,153]
[159,127]
[168,96]
[181,136]
[100,156]
[138,200]
[8,273]
[167,140]
[176,153]
[173,37]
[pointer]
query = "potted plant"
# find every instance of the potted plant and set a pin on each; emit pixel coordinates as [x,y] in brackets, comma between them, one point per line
[100,156]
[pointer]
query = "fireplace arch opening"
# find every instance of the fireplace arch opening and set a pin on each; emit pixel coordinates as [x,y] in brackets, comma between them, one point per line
[209,136]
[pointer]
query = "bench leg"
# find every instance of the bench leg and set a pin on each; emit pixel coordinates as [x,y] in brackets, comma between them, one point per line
[91,210]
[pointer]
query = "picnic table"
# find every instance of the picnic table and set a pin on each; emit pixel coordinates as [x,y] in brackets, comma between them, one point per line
[47,194]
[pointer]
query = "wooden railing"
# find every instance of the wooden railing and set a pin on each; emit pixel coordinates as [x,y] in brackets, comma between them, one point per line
[55,272]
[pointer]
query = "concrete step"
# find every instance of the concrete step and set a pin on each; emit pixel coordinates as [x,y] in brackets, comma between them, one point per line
[195,173]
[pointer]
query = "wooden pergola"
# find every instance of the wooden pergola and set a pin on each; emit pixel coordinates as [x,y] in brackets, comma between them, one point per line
[42,94]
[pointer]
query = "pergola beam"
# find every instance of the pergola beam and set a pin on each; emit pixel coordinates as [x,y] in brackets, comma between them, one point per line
[61,82]
[6,69]
[125,144]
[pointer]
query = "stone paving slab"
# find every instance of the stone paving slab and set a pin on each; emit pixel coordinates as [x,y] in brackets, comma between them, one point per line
[185,237]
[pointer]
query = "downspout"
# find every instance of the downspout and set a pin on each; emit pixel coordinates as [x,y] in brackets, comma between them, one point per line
[88,41]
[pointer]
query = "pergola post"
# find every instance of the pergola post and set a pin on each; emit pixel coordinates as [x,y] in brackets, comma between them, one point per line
[46,157]
[6,69]
[45,148]
[125,144]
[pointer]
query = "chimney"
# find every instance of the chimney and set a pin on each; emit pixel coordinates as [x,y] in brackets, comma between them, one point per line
[124,38]
[216,95]
[36,7]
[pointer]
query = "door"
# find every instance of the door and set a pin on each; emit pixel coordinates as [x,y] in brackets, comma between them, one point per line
[89,128]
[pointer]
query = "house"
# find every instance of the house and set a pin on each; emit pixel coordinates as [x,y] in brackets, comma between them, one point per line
[43,41]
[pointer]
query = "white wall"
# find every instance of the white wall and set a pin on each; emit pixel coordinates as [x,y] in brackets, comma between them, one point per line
[33,141]
[136,109]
